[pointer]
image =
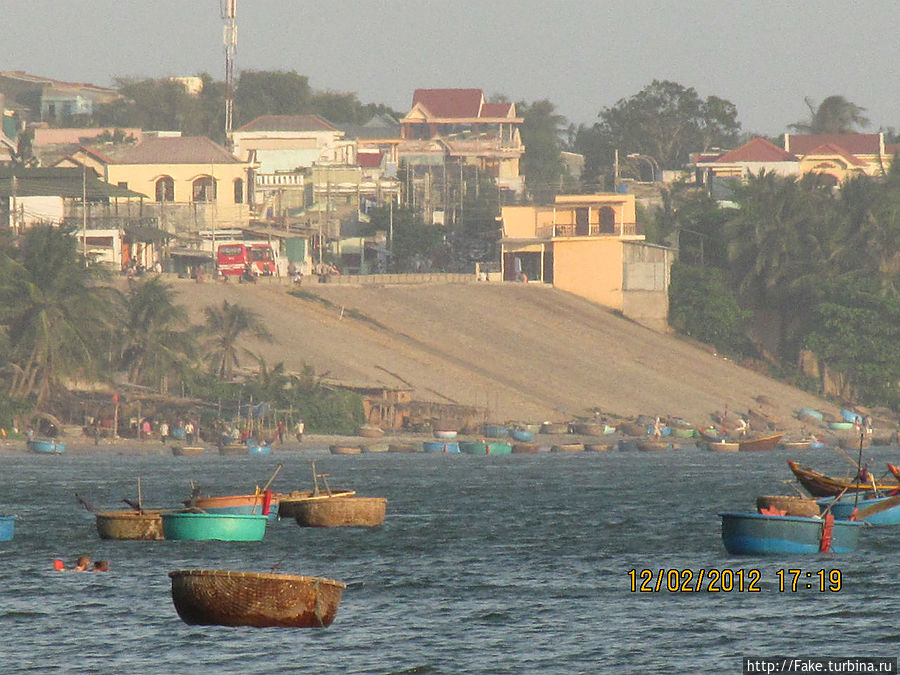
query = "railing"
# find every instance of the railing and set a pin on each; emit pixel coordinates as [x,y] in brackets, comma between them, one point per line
[620,230]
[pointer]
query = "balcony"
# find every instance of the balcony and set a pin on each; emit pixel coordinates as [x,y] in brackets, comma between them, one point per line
[594,230]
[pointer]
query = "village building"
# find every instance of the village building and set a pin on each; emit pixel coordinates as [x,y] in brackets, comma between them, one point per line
[589,245]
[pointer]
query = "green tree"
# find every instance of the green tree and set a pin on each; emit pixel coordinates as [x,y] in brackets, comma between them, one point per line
[155,340]
[261,92]
[542,164]
[667,122]
[225,328]
[52,311]
[834,115]
[414,241]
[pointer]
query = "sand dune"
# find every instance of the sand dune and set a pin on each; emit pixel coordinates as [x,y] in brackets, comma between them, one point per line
[522,351]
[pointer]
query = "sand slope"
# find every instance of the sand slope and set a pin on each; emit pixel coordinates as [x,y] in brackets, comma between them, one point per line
[523,351]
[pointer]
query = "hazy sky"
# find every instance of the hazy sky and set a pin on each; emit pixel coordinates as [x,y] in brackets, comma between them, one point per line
[583,55]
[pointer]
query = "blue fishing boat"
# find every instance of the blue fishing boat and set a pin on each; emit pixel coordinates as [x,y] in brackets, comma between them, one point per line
[850,416]
[7,527]
[440,446]
[46,446]
[256,449]
[761,534]
[248,504]
[811,413]
[496,431]
[522,435]
[843,509]
[213,526]
[484,448]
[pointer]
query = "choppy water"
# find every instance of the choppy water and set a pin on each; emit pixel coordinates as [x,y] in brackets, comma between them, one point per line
[511,564]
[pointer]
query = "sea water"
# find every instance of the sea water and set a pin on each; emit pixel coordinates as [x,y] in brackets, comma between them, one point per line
[513,564]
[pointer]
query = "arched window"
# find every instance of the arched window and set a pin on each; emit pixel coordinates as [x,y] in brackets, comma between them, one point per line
[607,220]
[238,191]
[204,189]
[165,189]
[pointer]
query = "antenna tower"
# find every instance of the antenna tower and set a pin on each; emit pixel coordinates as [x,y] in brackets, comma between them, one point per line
[229,11]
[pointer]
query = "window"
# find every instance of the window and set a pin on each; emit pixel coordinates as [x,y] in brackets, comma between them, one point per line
[123,184]
[238,191]
[165,189]
[607,220]
[204,189]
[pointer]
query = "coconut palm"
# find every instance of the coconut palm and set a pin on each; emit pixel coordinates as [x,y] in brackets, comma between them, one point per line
[225,327]
[155,340]
[52,311]
[834,115]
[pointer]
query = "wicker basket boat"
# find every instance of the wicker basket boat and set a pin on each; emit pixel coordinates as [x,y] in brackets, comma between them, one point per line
[599,447]
[370,431]
[223,598]
[290,504]
[524,449]
[555,428]
[341,512]
[402,447]
[345,450]
[633,429]
[187,450]
[792,505]
[233,449]
[568,447]
[141,525]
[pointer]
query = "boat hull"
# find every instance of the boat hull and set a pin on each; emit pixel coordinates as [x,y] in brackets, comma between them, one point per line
[187,450]
[759,534]
[484,448]
[135,525]
[447,434]
[213,526]
[843,509]
[233,449]
[819,485]
[760,444]
[259,449]
[496,431]
[341,512]
[247,505]
[223,598]
[46,447]
[7,527]
[440,446]
[521,435]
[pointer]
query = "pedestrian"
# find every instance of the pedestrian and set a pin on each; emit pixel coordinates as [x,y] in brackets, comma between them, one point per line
[146,430]
[163,431]
[299,428]
[281,428]
[189,432]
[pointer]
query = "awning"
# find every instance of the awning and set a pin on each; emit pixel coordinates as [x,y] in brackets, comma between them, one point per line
[145,233]
[194,253]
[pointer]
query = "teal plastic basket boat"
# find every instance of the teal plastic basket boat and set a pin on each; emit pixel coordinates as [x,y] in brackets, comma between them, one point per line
[217,526]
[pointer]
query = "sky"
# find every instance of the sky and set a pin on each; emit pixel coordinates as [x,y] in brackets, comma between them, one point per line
[765,56]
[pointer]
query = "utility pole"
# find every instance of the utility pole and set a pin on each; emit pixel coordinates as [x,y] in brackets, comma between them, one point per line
[84,214]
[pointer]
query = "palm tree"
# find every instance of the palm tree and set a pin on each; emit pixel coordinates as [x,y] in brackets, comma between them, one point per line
[154,340]
[225,327]
[52,312]
[834,115]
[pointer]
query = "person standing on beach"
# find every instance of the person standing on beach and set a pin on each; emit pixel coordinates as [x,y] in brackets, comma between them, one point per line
[281,428]
[163,431]
[298,430]
[189,432]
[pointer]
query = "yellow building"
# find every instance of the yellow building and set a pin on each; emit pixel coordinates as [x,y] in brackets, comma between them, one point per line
[589,245]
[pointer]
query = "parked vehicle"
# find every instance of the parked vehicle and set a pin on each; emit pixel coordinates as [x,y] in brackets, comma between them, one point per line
[235,258]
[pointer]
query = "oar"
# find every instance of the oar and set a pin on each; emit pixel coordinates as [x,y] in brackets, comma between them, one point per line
[833,502]
[84,503]
[884,505]
[277,469]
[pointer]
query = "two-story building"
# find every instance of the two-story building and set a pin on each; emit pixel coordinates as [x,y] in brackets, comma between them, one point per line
[589,245]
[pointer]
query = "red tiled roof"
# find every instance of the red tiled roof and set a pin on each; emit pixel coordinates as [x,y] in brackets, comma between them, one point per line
[369,160]
[855,144]
[496,109]
[757,150]
[175,150]
[827,149]
[287,123]
[891,148]
[450,102]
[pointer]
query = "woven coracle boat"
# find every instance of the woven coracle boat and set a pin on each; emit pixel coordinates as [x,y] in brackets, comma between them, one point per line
[140,525]
[187,450]
[223,598]
[341,512]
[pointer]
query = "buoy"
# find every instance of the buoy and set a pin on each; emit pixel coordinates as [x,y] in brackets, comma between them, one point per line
[58,565]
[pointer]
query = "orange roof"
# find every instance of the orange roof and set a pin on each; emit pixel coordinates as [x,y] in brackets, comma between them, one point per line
[497,110]
[757,150]
[450,102]
[855,144]
[830,149]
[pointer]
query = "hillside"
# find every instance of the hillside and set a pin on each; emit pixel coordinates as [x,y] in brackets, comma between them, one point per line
[523,351]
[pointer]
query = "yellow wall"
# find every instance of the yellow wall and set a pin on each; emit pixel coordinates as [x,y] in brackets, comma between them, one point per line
[143,177]
[590,267]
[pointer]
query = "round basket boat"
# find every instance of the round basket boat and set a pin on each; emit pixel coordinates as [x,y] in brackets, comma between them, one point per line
[521,435]
[344,450]
[233,449]
[440,446]
[589,429]
[374,447]
[567,447]
[223,598]
[555,428]
[841,426]
[599,447]
[723,446]
[187,450]
[213,526]
[792,505]
[341,512]
[852,442]
[7,527]
[402,447]
[633,429]
[140,525]
[444,434]
[288,506]
[524,449]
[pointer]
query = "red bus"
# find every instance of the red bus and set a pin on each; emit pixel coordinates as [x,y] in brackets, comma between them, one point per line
[232,259]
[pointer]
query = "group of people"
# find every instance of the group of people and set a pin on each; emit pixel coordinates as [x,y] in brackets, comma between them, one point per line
[83,564]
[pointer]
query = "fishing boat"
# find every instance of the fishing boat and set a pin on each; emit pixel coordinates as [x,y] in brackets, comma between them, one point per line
[851,416]
[341,511]
[233,449]
[7,527]
[444,434]
[402,447]
[213,526]
[484,448]
[46,446]
[633,429]
[819,485]
[344,450]
[599,447]
[796,445]
[440,446]
[567,447]
[762,444]
[374,447]
[593,429]
[370,431]
[809,412]
[788,505]
[135,524]
[653,446]
[259,449]
[894,469]
[187,450]
[224,598]
[521,435]
[723,446]
[246,504]
[761,534]
[841,426]
[844,508]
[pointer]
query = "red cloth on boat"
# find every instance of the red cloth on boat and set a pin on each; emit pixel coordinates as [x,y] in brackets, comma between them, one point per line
[772,511]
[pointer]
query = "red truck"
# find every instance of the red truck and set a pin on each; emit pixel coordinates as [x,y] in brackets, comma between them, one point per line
[232,259]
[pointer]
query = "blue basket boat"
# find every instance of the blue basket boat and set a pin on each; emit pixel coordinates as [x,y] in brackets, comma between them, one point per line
[213,526]
[522,435]
[484,448]
[761,534]
[850,416]
[843,509]
[7,527]
[46,446]
[440,446]
[496,431]
[254,449]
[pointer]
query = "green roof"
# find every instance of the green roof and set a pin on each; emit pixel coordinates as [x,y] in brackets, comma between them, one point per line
[58,182]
